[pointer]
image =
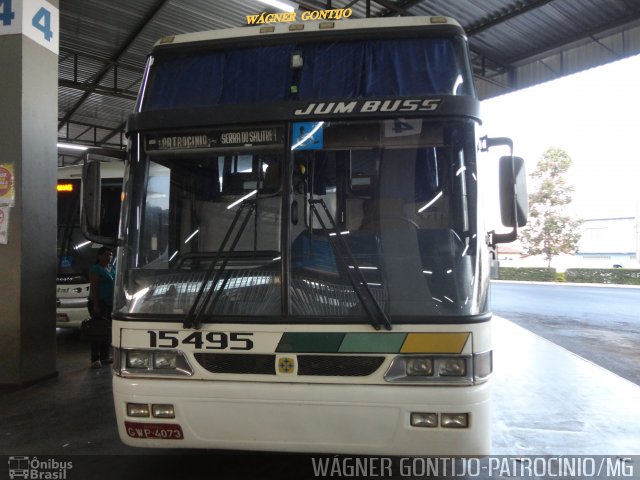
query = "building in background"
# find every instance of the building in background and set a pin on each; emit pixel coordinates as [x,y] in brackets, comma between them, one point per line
[609,242]
[605,243]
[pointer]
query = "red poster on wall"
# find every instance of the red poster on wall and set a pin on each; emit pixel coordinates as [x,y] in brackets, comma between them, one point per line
[7,191]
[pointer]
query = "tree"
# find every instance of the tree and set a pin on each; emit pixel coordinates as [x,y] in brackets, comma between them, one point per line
[550,230]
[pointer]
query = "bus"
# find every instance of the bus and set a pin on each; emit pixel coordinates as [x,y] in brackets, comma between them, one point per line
[302,261]
[76,253]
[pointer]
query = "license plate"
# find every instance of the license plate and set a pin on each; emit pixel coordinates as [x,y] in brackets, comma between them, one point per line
[156,431]
[62,317]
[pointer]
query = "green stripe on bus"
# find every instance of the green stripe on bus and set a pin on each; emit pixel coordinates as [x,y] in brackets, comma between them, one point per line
[314,342]
[372,342]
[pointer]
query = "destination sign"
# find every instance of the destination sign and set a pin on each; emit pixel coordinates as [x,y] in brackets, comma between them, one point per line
[217,139]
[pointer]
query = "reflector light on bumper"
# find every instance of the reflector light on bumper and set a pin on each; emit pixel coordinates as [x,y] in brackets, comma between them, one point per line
[141,410]
[429,420]
[137,410]
[454,420]
[447,420]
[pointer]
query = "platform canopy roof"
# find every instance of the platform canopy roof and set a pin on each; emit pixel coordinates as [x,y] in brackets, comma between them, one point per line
[514,44]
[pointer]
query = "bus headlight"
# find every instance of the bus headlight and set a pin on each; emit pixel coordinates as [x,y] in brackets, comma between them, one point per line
[165,359]
[452,367]
[134,362]
[430,368]
[419,367]
[138,359]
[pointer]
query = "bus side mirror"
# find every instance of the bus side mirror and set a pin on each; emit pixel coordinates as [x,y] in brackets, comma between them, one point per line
[514,200]
[91,199]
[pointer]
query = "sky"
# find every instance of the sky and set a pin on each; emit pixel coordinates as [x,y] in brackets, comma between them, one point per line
[595,116]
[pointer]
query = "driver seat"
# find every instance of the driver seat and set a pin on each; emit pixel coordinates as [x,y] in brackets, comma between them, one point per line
[388,212]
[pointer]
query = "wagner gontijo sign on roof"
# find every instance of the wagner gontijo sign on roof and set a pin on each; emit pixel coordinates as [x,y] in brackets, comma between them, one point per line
[335,14]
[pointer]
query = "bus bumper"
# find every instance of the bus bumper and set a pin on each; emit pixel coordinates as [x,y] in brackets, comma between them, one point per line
[301,417]
[71,317]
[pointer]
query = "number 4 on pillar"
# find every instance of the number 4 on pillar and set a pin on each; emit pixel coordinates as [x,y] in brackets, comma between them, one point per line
[43,20]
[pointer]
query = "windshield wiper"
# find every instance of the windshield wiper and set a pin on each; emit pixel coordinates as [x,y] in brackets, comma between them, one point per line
[194,317]
[343,252]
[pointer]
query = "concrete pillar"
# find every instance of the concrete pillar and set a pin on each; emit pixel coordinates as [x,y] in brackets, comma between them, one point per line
[28,131]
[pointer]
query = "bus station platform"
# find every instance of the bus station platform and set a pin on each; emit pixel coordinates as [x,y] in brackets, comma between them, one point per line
[549,401]
[546,401]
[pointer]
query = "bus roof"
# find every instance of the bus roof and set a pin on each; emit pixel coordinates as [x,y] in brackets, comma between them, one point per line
[330,27]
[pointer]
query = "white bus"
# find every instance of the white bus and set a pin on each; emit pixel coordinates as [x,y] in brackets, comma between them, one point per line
[302,266]
[76,253]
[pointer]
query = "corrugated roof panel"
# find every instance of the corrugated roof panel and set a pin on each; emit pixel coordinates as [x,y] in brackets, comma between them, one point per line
[523,36]
[549,26]
[100,27]
[196,15]
[360,8]
[66,98]
[113,110]
[466,13]
[80,69]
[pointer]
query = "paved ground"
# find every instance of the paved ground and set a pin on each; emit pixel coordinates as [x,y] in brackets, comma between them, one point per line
[601,324]
[546,400]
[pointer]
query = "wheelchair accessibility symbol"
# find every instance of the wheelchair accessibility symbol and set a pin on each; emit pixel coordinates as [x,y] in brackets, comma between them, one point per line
[307,136]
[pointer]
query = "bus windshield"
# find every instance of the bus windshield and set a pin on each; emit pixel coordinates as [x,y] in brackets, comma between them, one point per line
[378,213]
[70,238]
[75,253]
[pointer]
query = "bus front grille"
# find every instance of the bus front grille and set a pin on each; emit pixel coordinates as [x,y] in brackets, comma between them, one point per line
[338,365]
[239,364]
[307,365]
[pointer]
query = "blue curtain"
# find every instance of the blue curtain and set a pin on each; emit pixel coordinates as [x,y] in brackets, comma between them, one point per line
[258,75]
[185,82]
[358,69]
[332,70]
[410,67]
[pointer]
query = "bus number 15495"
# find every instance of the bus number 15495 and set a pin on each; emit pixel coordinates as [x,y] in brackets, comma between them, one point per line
[200,340]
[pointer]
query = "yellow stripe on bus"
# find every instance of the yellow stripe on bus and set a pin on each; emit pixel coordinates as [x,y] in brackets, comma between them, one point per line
[435,342]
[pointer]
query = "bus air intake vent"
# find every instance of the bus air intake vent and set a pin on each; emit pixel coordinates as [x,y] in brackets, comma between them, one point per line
[308,365]
[338,365]
[238,364]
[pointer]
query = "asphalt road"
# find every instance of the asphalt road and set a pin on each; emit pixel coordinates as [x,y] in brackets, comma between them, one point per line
[601,324]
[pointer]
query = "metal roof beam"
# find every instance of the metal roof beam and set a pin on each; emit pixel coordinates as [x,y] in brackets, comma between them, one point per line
[98,90]
[392,7]
[119,129]
[401,7]
[87,143]
[113,131]
[86,124]
[591,34]
[66,53]
[492,21]
[125,46]
[309,5]
[484,57]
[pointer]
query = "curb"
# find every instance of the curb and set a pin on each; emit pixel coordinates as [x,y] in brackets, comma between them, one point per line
[568,284]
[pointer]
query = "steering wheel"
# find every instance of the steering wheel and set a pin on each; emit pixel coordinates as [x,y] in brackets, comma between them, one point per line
[378,221]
